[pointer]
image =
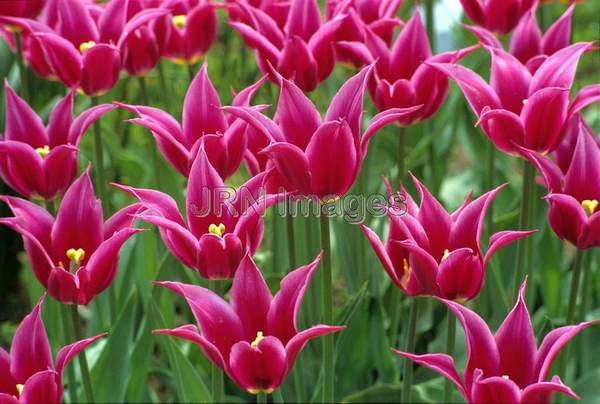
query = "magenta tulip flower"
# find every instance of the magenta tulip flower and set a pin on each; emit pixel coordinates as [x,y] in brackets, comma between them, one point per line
[220,227]
[192,31]
[75,255]
[519,110]
[302,52]
[573,196]
[528,44]
[203,122]
[28,374]
[432,252]
[564,152]
[253,338]
[401,77]
[498,16]
[38,161]
[314,158]
[507,367]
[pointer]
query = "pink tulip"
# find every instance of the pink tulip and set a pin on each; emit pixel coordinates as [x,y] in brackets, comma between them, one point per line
[302,52]
[497,15]
[520,110]
[573,196]
[278,10]
[507,367]
[203,123]
[563,154]
[28,374]
[314,158]
[402,79]
[253,338]
[432,252]
[220,227]
[75,255]
[38,161]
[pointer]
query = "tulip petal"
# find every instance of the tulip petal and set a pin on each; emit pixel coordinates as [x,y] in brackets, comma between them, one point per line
[510,79]
[501,239]
[460,275]
[383,119]
[190,333]
[586,96]
[558,36]
[382,254]
[258,121]
[156,201]
[551,173]
[22,168]
[296,114]
[298,64]
[292,164]
[559,69]
[296,344]
[543,116]
[257,41]
[67,353]
[219,258]
[422,270]
[504,128]
[200,30]
[22,123]
[321,47]
[86,119]
[495,390]
[60,120]
[542,392]
[122,219]
[411,48]
[41,388]
[62,159]
[526,41]
[64,60]
[101,65]
[304,19]
[259,368]
[75,23]
[566,217]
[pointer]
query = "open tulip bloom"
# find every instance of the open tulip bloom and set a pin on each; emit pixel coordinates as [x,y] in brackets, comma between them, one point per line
[520,110]
[75,255]
[498,16]
[28,374]
[220,227]
[432,252]
[573,196]
[315,158]
[38,161]
[507,367]
[204,122]
[254,338]
[401,78]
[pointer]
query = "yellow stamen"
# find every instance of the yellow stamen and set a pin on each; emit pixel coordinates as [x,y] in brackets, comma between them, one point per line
[20,389]
[446,254]
[179,21]
[259,337]
[217,230]
[43,151]
[13,28]
[192,61]
[86,46]
[258,391]
[460,300]
[525,101]
[406,275]
[589,206]
[76,256]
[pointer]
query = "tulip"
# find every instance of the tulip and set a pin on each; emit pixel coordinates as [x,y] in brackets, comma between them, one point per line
[521,110]
[27,373]
[432,252]
[528,44]
[314,158]
[203,122]
[563,154]
[507,367]
[401,77]
[501,16]
[192,31]
[253,338]
[303,52]
[20,8]
[75,255]
[38,161]
[220,227]
[278,10]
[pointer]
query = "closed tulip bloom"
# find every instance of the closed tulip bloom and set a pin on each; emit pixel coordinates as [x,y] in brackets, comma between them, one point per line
[302,52]
[192,30]
[573,196]
[520,110]
[312,157]
[402,79]
[28,373]
[37,161]
[254,337]
[564,152]
[432,252]
[507,367]
[220,227]
[75,255]
[203,122]
[498,16]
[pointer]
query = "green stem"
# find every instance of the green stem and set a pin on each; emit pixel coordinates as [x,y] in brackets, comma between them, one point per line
[143,90]
[216,373]
[83,365]
[491,179]
[99,150]
[262,398]
[163,82]
[22,70]
[575,281]
[327,309]
[291,241]
[430,23]
[401,152]
[450,351]
[191,74]
[524,223]
[410,347]
[68,339]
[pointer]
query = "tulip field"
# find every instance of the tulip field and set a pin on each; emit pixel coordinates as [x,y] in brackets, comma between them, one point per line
[297,201]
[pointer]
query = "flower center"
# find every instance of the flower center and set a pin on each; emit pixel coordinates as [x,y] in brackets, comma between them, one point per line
[86,46]
[179,21]
[20,389]
[217,230]
[406,274]
[446,254]
[75,256]
[259,337]
[589,206]
[43,151]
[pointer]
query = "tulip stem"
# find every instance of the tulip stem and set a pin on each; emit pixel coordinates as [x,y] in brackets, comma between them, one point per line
[401,152]
[291,240]
[450,351]
[410,347]
[491,175]
[216,374]
[190,69]
[261,398]
[22,71]
[524,222]
[99,159]
[163,83]
[327,308]
[68,339]
[83,364]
